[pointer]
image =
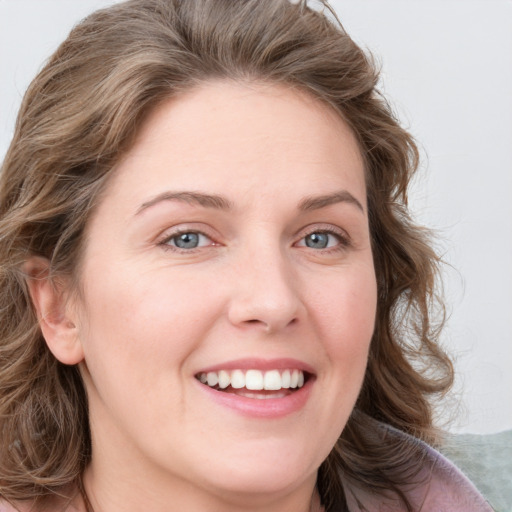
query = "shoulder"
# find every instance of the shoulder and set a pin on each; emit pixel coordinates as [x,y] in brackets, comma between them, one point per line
[439,486]
[448,489]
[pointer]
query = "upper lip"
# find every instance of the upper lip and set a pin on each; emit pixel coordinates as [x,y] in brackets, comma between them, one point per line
[260,364]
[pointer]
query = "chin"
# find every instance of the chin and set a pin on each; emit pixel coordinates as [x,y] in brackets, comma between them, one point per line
[277,473]
[259,484]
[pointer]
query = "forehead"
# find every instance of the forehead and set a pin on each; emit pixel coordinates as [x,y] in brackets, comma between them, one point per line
[252,136]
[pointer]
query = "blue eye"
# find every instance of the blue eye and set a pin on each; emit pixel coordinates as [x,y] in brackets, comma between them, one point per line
[317,240]
[187,240]
[323,239]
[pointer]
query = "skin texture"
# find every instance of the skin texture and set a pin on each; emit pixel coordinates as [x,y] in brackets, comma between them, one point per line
[148,316]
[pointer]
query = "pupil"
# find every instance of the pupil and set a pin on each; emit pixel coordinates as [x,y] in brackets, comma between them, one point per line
[187,241]
[317,240]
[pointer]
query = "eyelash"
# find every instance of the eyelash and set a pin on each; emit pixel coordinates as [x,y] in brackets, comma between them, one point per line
[343,239]
[165,242]
[341,236]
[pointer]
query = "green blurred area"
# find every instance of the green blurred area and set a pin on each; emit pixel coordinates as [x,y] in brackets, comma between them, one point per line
[487,461]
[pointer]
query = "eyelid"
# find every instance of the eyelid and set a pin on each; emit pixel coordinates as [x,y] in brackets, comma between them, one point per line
[341,234]
[166,236]
[182,228]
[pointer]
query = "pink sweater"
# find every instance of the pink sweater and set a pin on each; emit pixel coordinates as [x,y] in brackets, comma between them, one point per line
[444,487]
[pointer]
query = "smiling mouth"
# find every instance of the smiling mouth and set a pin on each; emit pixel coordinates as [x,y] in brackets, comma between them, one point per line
[255,383]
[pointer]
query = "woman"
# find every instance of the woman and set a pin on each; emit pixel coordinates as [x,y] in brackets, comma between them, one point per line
[213,297]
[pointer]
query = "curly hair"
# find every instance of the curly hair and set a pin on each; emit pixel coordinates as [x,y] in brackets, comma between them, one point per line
[81,114]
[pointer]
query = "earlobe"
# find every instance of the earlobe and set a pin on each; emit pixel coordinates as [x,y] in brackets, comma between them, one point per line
[54,313]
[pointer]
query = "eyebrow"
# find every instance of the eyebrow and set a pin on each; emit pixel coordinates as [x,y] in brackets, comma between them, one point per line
[221,203]
[317,202]
[205,200]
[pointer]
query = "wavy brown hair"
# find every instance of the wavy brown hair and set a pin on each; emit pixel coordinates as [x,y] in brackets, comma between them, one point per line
[81,114]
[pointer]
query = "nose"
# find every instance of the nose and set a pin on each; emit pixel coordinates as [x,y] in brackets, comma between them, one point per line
[264,294]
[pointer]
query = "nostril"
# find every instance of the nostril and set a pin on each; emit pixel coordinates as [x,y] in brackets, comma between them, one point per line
[269,326]
[256,322]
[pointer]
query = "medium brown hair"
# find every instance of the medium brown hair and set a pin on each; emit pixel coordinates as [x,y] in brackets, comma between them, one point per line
[78,117]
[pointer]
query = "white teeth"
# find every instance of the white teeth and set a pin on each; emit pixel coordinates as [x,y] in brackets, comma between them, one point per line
[238,379]
[272,380]
[294,381]
[254,380]
[285,379]
[224,379]
[212,379]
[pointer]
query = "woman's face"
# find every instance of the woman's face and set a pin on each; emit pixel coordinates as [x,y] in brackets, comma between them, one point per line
[231,245]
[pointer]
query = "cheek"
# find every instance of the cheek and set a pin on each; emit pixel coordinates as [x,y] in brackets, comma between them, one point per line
[346,318]
[138,339]
[346,309]
[146,320]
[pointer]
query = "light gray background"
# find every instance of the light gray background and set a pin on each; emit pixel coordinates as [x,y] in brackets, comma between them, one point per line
[447,67]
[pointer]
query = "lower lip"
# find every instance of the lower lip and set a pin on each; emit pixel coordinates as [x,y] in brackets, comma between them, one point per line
[262,408]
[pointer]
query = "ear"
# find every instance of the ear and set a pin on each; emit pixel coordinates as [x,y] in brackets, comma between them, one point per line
[54,312]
